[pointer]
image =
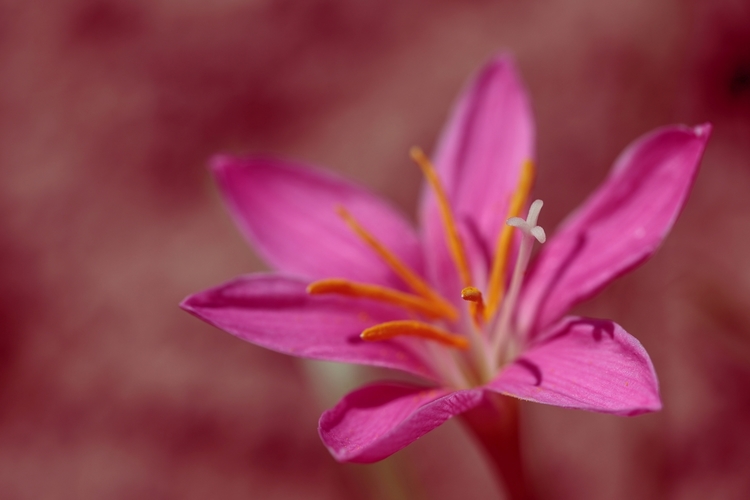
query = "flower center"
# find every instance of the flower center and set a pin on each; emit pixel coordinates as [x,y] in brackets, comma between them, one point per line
[484,339]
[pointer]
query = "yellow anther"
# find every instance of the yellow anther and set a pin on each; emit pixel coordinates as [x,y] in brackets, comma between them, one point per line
[392,329]
[402,270]
[473,295]
[451,231]
[502,248]
[383,294]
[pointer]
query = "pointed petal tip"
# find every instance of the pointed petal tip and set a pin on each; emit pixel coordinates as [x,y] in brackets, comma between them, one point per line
[650,400]
[657,406]
[194,302]
[342,454]
[703,130]
[220,162]
[186,303]
[499,67]
[502,58]
[651,407]
[503,62]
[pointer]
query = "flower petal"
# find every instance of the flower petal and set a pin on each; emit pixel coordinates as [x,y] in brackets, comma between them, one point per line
[588,364]
[479,159]
[378,420]
[289,213]
[618,227]
[277,313]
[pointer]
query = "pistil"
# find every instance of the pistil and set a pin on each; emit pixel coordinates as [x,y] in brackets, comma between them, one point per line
[530,231]
[486,334]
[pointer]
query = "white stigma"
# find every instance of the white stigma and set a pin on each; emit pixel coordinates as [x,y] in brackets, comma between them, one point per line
[529,226]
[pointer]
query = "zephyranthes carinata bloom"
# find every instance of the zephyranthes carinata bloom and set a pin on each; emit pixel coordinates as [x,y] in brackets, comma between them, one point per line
[453,304]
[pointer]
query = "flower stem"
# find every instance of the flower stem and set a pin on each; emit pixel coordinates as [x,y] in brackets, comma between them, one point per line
[495,424]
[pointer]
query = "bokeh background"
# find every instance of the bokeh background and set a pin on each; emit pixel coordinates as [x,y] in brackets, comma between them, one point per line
[109,110]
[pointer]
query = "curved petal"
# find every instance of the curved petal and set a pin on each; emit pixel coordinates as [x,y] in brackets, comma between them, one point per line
[277,313]
[618,227]
[289,213]
[588,364]
[488,137]
[378,420]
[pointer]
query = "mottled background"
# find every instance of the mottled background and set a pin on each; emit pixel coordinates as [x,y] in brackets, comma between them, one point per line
[108,218]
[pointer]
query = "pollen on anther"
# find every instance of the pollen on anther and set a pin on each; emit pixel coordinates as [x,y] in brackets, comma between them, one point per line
[410,328]
[471,294]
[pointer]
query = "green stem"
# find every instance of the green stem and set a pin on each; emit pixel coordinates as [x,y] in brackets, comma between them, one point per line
[495,424]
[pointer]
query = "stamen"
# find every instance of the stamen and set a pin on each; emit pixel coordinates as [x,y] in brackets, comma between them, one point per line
[383,294]
[451,232]
[474,296]
[402,270]
[392,329]
[502,248]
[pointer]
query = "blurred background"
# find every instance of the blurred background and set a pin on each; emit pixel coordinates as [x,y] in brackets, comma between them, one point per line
[109,110]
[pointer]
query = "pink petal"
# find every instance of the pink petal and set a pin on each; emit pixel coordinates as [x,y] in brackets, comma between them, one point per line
[288,212]
[275,312]
[484,144]
[588,364]
[376,421]
[618,227]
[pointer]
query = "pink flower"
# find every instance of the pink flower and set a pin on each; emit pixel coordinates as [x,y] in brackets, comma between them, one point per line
[453,305]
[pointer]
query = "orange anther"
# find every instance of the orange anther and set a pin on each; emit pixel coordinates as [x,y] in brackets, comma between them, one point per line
[392,329]
[380,293]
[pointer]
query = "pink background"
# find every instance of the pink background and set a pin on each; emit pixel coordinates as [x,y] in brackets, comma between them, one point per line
[108,218]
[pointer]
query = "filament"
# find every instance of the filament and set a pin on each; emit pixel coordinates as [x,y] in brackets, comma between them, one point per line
[502,249]
[380,293]
[451,231]
[402,270]
[392,329]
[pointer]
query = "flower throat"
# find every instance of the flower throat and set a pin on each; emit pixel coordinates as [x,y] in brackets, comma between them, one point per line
[488,337]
